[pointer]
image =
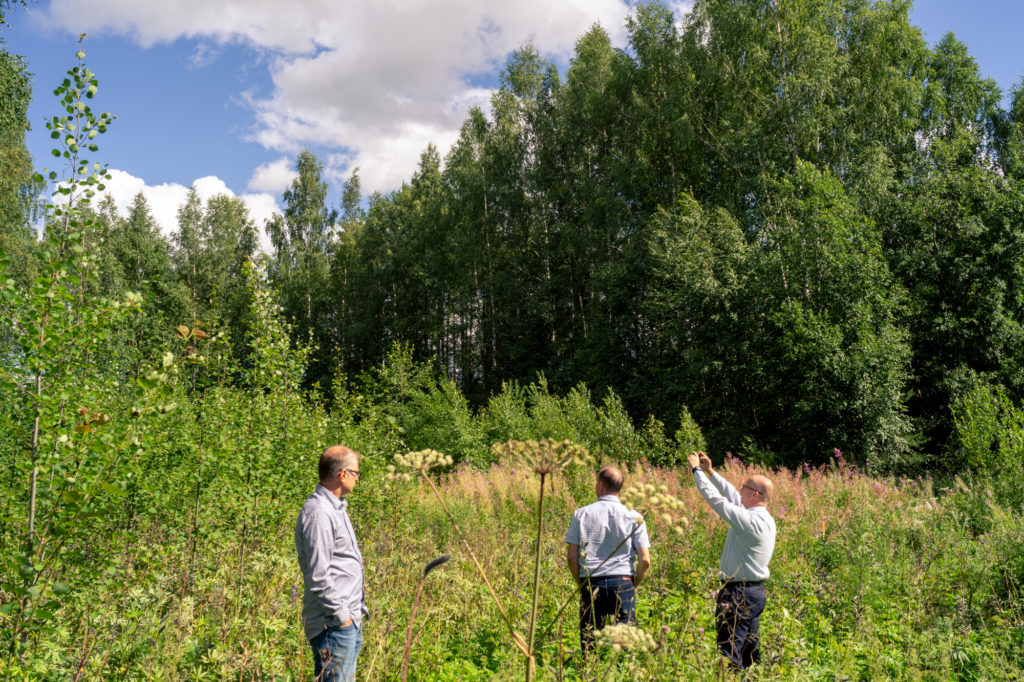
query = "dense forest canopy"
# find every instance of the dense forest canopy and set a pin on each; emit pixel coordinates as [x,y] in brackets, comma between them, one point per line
[795,222]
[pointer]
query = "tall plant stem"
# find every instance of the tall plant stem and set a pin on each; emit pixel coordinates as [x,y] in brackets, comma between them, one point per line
[408,636]
[190,579]
[516,637]
[532,659]
[608,670]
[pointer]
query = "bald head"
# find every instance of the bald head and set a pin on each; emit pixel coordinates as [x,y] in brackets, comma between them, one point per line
[334,459]
[762,485]
[610,480]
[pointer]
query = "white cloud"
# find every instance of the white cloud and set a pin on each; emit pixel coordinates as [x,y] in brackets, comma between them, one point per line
[204,55]
[165,199]
[273,176]
[371,82]
[680,8]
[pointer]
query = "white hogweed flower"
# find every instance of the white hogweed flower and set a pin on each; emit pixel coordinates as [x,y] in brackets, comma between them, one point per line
[624,637]
[420,461]
[542,457]
[655,500]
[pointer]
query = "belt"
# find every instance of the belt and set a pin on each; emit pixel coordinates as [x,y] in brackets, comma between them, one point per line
[742,583]
[609,577]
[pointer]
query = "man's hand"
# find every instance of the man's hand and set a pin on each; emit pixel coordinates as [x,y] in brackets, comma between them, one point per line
[347,623]
[705,464]
[693,459]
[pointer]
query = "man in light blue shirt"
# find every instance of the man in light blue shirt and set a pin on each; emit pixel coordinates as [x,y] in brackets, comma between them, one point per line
[743,566]
[615,550]
[333,600]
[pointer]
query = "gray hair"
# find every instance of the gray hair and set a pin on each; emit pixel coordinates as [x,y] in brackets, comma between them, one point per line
[336,459]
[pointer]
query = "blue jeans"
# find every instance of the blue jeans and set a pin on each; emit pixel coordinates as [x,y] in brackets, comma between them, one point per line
[605,600]
[334,653]
[736,619]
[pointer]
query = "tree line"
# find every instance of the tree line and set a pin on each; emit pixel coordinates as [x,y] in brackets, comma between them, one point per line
[795,222]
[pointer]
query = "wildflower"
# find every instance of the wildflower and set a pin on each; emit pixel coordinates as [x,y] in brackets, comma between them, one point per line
[420,461]
[542,457]
[654,499]
[624,637]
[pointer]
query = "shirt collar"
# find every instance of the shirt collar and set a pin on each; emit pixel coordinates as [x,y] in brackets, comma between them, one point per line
[335,502]
[608,498]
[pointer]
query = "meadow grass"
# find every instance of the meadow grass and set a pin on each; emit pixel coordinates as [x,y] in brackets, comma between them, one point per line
[872,578]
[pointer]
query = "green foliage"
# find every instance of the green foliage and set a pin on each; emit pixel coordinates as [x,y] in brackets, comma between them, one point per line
[75,469]
[688,436]
[989,430]
[18,186]
[989,440]
[836,357]
[425,410]
[781,229]
[212,246]
[605,429]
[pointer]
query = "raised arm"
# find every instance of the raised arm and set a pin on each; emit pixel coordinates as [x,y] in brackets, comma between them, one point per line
[736,515]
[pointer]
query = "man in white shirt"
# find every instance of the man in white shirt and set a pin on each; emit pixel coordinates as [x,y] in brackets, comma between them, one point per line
[743,566]
[612,542]
[333,600]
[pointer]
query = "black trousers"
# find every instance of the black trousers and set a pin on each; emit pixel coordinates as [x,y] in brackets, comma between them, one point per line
[736,620]
[605,600]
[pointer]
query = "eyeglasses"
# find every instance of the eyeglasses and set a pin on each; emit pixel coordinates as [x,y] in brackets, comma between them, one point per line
[753,490]
[355,472]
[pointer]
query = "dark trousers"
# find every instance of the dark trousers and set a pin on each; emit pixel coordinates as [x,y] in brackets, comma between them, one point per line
[605,600]
[736,620]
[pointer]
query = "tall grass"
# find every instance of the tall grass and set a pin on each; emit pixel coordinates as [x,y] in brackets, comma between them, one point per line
[872,579]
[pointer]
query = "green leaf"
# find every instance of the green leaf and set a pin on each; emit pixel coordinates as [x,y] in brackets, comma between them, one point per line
[111,489]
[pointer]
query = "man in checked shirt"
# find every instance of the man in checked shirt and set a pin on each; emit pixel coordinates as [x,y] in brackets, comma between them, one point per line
[608,554]
[333,600]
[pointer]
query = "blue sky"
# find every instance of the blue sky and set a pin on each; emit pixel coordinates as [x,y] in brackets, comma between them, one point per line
[224,93]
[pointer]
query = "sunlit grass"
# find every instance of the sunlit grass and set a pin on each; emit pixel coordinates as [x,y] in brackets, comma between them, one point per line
[872,578]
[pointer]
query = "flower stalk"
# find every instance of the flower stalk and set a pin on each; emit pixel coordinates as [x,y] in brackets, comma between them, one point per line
[544,458]
[421,462]
[443,559]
